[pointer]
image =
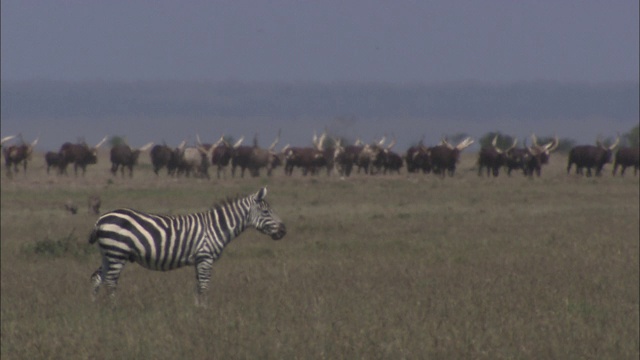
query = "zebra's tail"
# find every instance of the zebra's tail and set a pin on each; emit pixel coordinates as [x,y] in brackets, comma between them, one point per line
[93,237]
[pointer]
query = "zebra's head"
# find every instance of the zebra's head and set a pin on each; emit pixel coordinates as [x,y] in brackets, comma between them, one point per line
[264,218]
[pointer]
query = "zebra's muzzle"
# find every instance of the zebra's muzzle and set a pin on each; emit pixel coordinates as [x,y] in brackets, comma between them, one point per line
[280,233]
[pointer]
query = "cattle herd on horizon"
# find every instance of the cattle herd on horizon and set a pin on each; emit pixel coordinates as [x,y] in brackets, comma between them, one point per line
[326,154]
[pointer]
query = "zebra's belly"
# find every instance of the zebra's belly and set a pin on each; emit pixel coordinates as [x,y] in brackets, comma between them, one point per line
[160,265]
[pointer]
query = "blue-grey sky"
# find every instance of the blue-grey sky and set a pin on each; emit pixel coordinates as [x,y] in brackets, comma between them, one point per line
[326,41]
[87,43]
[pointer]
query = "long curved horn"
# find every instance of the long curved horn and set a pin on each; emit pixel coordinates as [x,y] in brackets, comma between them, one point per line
[615,143]
[465,143]
[7,138]
[381,142]
[392,144]
[238,142]
[182,145]
[33,144]
[275,142]
[534,140]
[599,142]
[446,143]
[201,149]
[217,143]
[553,144]
[198,140]
[146,146]
[494,142]
[101,142]
[321,141]
[513,146]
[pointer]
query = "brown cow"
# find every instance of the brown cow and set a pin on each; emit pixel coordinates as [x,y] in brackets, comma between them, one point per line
[79,154]
[309,159]
[221,156]
[254,158]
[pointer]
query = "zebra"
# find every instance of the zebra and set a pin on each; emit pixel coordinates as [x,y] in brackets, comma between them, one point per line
[163,243]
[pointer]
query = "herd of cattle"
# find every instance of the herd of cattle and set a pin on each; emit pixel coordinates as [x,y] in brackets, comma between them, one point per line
[326,154]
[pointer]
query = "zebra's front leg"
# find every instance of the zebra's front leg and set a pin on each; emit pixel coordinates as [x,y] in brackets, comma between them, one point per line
[203,275]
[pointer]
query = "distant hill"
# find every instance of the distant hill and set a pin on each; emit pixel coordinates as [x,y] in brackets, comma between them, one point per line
[130,108]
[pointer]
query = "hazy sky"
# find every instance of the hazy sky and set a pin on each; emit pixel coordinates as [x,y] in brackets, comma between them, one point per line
[327,41]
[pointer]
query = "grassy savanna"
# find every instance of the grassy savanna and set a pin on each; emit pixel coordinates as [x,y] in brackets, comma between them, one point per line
[382,267]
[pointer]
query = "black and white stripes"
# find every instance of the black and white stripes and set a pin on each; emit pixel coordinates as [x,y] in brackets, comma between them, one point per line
[164,243]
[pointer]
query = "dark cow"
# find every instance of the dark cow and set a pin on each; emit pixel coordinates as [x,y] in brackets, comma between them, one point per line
[539,155]
[391,161]
[345,157]
[222,152]
[53,159]
[123,155]
[16,154]
[163,155]
[627,157]
[445,156]
[370,157]
[80,155]
[517,158]
[418,158]
[589,156]
[492,158]
[240,157]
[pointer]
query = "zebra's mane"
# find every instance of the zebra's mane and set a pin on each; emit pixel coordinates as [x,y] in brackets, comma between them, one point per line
[224,202]
[229,200]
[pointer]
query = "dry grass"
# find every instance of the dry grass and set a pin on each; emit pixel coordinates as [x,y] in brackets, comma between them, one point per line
[373,267]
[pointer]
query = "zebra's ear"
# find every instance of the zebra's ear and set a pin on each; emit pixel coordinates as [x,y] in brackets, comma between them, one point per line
[261,194]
